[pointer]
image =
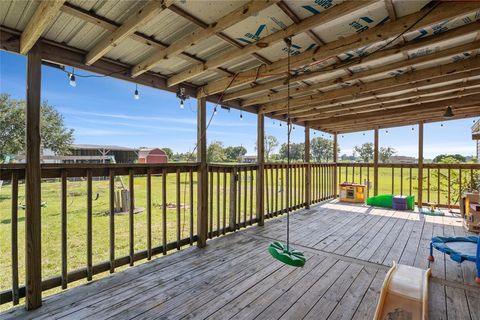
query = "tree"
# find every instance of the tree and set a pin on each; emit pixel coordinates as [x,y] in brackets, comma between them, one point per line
[322,149]
[386,153]
[270,144]
[296,151]
[440,158]
[53,133]
[215,152]
[365,151]
[169,153]
[233,153]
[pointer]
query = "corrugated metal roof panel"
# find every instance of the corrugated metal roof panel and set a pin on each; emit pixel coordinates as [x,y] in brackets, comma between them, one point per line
[209,11]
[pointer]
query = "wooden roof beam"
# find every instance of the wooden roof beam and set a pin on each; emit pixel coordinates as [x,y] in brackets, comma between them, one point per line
[132,24]
[391,10]
[200,34]
[413,100]
[352,106]
[470,110]
[475,45]
[110,25]
[455,101]
[323,17]
[431,75]
[386,31]
[41,19]
[403,48]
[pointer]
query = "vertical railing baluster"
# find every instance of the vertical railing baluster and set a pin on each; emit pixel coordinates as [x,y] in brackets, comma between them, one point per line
[276,190]
[449,185]
[179,203]
[282,188]
[210,197]
[224,201]
[111,185]
[472,181]
[239,190]
[233,200]
[438,185]
[460,183]
[89,225]
[149,214]
[368,180]
[428,184]
[131,222]
[64,227]
[218,202]
[410,178]
[294,186]
[14,232]
[267,202]
[353,173]
[393,180]
[164,211]
[245,195]
[401,180]
[361,175]
[190,173]
[251,195]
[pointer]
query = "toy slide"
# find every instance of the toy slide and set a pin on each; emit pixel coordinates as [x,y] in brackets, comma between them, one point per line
[404,294]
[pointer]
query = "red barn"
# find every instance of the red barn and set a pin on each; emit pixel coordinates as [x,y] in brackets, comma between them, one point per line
[152,156]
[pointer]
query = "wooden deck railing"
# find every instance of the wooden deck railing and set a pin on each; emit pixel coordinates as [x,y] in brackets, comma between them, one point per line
[170,189]
[441,183]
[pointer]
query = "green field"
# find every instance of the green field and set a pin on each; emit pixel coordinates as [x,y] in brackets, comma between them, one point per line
[77,217]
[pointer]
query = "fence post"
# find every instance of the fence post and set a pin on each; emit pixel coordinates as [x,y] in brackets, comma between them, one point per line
[375,163]
[308,185]
[33,258]
[260,169]
[233,200]
[202,177]
[420,165]
[335,160]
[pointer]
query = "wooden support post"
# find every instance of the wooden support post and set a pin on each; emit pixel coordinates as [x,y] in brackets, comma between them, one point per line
[375,163]
[420,164]
[33,258]
[202,189]
[335,160]
[308,186]
[261,165]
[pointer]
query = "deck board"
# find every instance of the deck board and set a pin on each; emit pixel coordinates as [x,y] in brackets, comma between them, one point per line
[349,249]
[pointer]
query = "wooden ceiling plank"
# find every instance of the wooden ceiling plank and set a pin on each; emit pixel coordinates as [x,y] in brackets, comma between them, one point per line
[374,100]
[41,19]
[268,98]
[442,12]
[397,83]
[429,41]
[294,29]
[132,24]
[200,34]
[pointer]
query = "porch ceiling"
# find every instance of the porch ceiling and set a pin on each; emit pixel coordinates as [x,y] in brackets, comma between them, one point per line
[356,65]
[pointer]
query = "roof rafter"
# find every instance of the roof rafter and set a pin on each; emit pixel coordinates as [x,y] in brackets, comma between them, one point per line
[200,34]
[429,41]
[132,24]
[42,18]
[304,25]
[384,32]
[401,82]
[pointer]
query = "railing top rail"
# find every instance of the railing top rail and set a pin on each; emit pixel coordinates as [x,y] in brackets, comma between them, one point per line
[475,166]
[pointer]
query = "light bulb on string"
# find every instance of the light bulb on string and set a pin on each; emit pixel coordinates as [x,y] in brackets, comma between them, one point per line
[241,115]
[215,111]
[182,104]
[136,96]
[71,78]
[441,124]
[280,124]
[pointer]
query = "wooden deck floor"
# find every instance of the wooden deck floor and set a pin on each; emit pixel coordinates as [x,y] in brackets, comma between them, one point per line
[349,249]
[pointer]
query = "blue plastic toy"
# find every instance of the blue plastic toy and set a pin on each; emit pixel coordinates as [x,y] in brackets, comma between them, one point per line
[459,249]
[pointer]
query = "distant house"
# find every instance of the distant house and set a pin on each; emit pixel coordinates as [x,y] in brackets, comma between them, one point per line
[403,159]
[154,155]
[248,158]
[476,137]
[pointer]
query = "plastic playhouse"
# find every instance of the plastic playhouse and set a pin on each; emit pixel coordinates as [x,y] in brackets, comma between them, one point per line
[352,192]
[391,201]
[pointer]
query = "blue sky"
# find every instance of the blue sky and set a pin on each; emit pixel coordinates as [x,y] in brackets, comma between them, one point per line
[103,111]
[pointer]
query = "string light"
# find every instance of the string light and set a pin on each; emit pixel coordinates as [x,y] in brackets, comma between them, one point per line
[181,94]
[136,96]
[241,115]
[441,124]
[215,111]
[71,77]
[280,124]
